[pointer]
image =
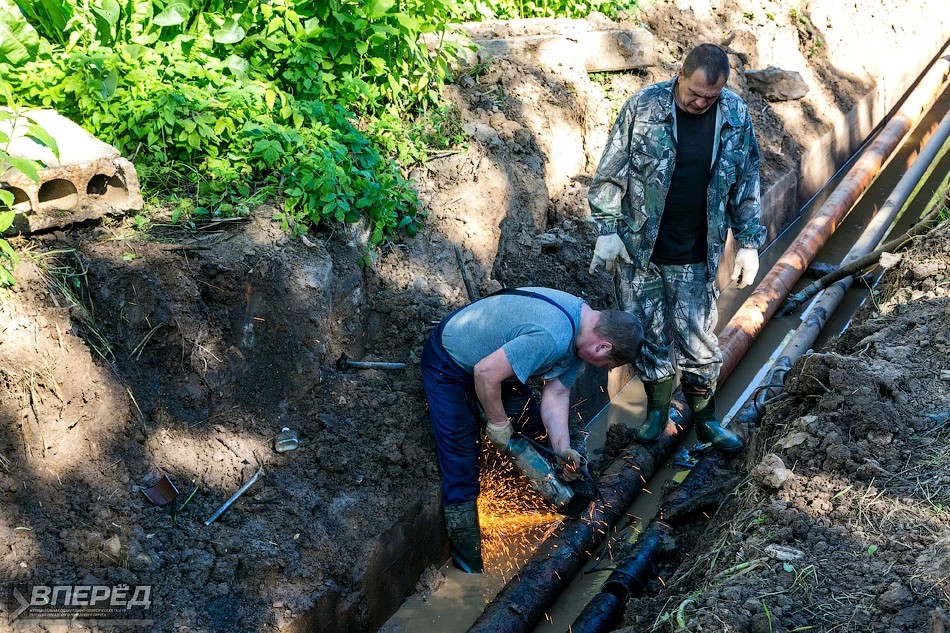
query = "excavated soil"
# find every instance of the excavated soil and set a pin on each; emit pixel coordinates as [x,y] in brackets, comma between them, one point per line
[126,354]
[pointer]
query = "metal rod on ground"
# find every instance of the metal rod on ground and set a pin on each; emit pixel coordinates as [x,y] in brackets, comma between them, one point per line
[631,576]
[751,317]
[854,267]
[861,257]
[469,287]
[344,364]
[227,504]
[523,601]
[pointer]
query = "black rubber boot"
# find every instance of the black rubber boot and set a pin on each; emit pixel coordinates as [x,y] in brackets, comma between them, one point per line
[658,410]
[461,521]
[702,402]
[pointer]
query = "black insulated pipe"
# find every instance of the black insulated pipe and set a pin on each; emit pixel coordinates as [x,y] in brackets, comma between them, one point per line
[523,601]
[630,578]
[605,611]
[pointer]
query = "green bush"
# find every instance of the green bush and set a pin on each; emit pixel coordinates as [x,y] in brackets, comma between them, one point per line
[225,103]
[478,10]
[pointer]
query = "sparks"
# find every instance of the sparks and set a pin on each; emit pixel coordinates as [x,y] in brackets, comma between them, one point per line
[514,519]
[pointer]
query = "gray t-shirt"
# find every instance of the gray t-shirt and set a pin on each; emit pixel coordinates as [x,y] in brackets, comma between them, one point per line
[537,337]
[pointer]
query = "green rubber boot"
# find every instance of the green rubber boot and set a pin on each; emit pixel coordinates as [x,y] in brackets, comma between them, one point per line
[658,410]
[461,521]
[708,430]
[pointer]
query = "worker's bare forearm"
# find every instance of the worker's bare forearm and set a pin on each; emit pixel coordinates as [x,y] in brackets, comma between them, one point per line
[555,407]
[489,395]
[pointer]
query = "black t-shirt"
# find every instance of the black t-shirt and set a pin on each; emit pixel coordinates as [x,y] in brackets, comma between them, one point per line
[682,238]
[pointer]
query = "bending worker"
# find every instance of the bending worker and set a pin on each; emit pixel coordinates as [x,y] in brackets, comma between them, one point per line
[478,361]
[681,168]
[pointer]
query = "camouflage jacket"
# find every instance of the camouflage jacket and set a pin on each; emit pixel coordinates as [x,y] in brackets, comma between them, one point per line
[628,193]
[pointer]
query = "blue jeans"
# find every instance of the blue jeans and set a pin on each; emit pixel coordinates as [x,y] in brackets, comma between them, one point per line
[456,417]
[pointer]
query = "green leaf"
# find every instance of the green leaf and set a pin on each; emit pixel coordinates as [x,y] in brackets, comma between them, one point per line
[49,17]
[18,40]
[108,10]
[108,84]
[408,22]
[229,33]
[174,14]
[106,17]
[133,51]
[312,28]
[30,168]
[237,65]
[376,9]
[788,567]
[8,250]
[6,217]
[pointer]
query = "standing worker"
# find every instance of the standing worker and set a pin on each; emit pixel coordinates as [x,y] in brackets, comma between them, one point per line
[477,363]
[681,167]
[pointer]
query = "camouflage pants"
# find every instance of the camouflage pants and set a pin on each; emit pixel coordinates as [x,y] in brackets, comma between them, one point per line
[677,306]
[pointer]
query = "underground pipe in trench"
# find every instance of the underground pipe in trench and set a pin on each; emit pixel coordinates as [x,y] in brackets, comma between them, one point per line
[631,576]
[523,601]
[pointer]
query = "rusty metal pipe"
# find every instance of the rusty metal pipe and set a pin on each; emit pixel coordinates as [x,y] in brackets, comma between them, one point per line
[880,225]
[736,338]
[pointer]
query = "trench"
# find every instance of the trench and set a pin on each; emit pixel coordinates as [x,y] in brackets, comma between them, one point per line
[461,598]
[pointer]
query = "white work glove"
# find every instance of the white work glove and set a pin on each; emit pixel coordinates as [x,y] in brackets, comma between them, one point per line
[499,435]
[607,250]
[747,267]
[573,464]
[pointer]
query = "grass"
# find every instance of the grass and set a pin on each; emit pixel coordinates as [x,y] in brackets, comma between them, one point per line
[65,275]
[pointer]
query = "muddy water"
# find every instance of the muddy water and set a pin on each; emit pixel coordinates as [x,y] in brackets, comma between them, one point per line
[458,601]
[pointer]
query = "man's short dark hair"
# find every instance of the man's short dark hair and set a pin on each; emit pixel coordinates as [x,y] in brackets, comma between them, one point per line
[712,59]
[624,332]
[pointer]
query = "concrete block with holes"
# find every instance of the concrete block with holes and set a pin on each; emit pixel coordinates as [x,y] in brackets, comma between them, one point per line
[88,180]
